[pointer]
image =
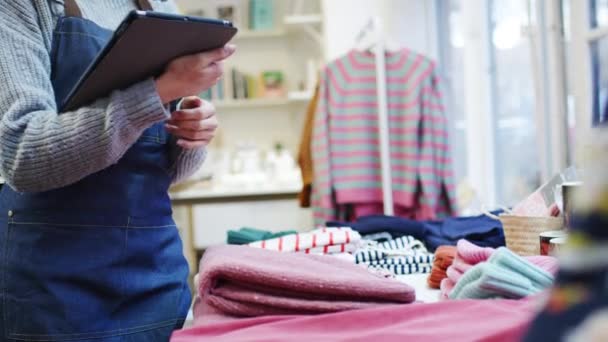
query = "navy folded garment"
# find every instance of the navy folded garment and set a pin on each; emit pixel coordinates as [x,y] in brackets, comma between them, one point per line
[396,226]
[481,230]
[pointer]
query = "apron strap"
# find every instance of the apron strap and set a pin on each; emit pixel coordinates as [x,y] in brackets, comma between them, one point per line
[72,9]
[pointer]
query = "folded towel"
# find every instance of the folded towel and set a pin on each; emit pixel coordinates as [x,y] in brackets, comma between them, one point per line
[312,242]
[245,282]
[504,275]
[247,235]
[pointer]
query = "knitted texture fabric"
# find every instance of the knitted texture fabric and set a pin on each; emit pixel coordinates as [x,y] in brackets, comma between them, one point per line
[345,137]
[469,255]
[446,287]
[243,281]
[504,275]
[444,256]
[42,150]
[247,235]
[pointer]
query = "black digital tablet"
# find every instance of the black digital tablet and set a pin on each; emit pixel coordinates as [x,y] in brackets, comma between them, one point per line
[141,47]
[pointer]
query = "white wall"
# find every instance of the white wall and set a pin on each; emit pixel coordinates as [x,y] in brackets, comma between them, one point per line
[408,23]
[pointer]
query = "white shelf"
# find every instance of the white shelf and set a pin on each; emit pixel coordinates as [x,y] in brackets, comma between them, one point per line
[309,19]
[292,97]
[309,23]
[250,103]
[305,95]
[210,193]
[249,34]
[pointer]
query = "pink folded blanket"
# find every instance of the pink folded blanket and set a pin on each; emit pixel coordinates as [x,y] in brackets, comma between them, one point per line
[241,281]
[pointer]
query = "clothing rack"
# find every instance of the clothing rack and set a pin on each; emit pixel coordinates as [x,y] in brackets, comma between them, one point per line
[371,37]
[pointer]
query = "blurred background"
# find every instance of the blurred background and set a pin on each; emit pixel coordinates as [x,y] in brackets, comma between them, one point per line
[521,80]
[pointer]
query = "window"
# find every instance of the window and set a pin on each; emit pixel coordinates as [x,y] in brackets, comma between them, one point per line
[517,158]
[451,60]
[599,61]
[599,13]
[494,55]
[588,23]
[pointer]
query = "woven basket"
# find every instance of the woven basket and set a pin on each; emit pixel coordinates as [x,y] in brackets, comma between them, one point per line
[522,232]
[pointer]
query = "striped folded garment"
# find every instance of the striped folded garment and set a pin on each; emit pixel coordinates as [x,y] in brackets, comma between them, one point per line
[404,255]
[319,241]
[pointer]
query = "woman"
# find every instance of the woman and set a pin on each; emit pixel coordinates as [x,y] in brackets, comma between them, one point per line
[88,248]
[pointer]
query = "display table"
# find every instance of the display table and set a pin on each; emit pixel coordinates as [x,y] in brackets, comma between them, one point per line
[205,213]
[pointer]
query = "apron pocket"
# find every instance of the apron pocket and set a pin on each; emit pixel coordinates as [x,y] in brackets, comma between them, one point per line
[76,282]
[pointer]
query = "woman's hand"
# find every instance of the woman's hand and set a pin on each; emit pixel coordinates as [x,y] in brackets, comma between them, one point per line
[194,124]
[192,74]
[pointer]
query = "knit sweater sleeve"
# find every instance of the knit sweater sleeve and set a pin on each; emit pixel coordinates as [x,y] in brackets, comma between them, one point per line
[184,163]
[321,197]
[435,148]
[42,149]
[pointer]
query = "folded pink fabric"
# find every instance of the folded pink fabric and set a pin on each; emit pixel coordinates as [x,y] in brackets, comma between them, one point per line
[462,266]
[454,274]
[469,255]
[446,286]
[241,281]
[455,321]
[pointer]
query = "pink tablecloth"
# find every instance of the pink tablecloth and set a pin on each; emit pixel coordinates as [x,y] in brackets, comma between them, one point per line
[459,320]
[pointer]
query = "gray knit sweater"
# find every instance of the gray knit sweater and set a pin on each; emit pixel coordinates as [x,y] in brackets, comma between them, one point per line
[41,150]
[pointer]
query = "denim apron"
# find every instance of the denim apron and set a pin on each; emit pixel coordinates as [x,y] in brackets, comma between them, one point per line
[101,259]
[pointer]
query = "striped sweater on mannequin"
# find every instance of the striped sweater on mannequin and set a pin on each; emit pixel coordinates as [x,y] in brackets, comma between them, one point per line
[345,140]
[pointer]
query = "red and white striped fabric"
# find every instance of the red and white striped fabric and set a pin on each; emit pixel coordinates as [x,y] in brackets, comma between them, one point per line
[319,241]
[332,249]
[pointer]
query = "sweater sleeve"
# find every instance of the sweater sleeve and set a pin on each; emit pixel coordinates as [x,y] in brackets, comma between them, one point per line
[184,163]
[435,167]
[42,149]
[322,187]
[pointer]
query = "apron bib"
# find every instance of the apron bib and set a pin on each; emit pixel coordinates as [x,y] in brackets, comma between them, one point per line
[100,259]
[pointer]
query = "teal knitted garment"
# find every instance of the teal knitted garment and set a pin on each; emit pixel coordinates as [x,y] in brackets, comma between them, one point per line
[504,275]
[247,235]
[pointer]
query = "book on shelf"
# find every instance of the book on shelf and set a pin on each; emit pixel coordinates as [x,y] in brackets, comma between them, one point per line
[234,85]
[238,85]
[273,83]
[261,15]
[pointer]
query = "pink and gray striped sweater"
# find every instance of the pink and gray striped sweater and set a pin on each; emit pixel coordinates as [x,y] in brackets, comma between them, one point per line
[345,145]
